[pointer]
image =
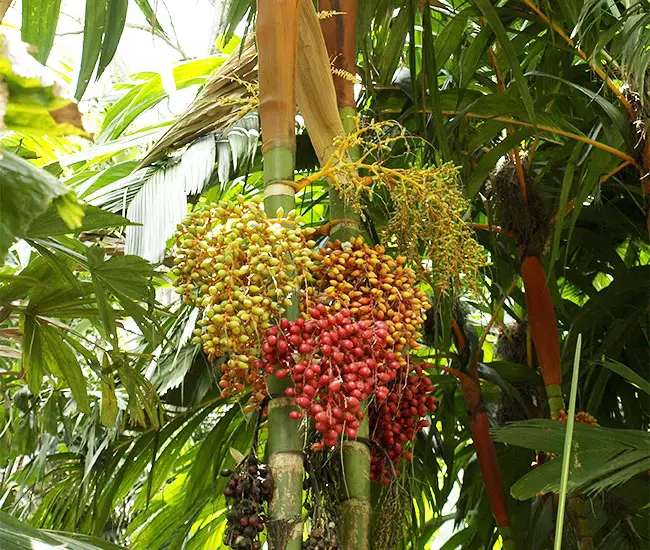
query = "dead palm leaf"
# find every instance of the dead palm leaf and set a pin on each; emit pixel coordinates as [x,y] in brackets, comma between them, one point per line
[224,100]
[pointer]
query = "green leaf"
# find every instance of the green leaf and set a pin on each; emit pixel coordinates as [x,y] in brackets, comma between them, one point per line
[15,535]
[124,276]
[108,414]
[32,354]
[488,161]
[115,21]
[494,21]
[394,45]
[567,185]
[150,91]
[149,14]
[213,446]
[514,373]
[25,192]
[602,457]
[69,209]
[627,373]
[548,435]
[94,23]
[590,471]
[39,26]
[58,356]
[236,455]
[50,224]
[95,257]
[450,37]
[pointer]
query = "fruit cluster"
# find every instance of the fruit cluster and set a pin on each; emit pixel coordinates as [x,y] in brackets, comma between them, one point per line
[374,286]
[398,419]
[336,363]
[579,417]
[320,539]
[246,493]
[241,269]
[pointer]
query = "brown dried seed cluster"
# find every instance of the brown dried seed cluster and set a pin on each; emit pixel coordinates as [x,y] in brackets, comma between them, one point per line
[373,286]
[247,493]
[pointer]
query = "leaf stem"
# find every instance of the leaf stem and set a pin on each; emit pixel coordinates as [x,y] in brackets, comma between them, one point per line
[566,456]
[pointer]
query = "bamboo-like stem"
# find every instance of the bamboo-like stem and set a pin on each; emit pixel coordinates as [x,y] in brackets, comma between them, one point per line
[277,40]
[339,33]
[566,455]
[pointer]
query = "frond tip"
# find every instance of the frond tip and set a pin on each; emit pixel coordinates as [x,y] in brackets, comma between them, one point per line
[161,203]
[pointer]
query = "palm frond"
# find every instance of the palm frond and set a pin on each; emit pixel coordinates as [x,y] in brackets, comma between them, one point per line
[161,203]
[217,107]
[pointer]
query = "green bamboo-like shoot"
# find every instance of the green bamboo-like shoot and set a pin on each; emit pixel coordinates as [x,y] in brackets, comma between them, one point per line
[277,41]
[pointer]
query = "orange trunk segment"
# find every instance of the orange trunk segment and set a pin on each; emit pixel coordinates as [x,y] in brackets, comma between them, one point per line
[277,44]
[542,321]
[485,450]
[487,459]
[340,36]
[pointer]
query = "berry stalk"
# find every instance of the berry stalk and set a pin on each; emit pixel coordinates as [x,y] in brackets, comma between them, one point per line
[483,443]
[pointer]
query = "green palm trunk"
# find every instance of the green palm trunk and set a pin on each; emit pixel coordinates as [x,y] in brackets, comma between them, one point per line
[356,507]
[277,39]
[340,38]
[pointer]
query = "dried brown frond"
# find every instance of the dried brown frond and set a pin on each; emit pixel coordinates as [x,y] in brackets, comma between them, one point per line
[225,99]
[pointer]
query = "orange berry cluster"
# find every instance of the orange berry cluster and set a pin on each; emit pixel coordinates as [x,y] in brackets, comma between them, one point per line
[378,289]
[579,417]
[373,286]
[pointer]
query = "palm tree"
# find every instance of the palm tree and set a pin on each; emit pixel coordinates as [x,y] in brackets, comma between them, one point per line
[117,428]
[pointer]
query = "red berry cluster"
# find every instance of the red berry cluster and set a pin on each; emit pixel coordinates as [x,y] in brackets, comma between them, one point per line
[336,363]
[397,420]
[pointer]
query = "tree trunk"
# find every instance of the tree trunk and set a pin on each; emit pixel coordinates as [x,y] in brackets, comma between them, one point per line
[277,39]
[339,32]
[484,446]
[543,328]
